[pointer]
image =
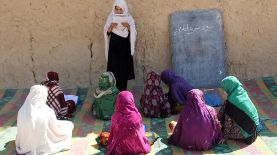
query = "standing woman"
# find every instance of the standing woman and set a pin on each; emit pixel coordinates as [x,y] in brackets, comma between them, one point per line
[120,45]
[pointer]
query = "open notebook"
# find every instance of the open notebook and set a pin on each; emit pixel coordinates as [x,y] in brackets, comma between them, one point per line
[71,97]
[120,18]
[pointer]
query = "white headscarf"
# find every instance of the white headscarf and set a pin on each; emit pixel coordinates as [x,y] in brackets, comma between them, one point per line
[38,130]
[119,30]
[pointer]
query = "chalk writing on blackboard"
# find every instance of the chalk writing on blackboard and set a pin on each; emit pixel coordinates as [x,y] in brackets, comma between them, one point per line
[219,72]
[188,30]
[197,42]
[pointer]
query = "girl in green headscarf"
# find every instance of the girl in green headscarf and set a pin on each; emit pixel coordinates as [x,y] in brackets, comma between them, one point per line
[238,116]
[105,95]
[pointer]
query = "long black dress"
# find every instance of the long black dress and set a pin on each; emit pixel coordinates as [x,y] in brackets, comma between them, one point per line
[120,60]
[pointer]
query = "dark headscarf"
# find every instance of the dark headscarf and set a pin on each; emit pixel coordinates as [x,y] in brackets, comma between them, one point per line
[51,78]
[178,86]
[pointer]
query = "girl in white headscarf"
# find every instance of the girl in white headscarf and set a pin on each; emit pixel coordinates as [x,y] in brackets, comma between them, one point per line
[38,130]
[120,44]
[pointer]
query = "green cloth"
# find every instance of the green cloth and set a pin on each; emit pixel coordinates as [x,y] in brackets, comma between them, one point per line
[104,106]
[105,95]
[239,97]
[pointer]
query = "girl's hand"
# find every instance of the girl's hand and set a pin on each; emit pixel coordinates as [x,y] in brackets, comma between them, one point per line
[113,25]
[126,25]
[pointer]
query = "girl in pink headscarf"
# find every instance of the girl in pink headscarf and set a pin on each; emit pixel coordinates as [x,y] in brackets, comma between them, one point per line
[127,135]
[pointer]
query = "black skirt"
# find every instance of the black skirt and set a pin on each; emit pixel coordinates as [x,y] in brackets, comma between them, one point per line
[120,60]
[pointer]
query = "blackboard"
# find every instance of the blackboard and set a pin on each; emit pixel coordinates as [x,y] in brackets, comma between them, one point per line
[197,42]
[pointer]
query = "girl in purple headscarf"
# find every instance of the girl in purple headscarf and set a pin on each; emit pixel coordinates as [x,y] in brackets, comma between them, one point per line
[178,87]
[198,118]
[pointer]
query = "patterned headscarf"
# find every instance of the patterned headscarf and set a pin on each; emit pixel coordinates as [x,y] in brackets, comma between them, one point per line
[51,78]
[153,101]
[55,99]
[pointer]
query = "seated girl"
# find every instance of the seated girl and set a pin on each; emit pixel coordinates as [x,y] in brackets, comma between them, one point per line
[38,130]
[55,100]
[197,127]
[127,135]
[178,87]
[105,95]
[238,116]
[153,102]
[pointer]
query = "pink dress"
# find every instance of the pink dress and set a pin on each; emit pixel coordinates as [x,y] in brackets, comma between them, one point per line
[127,135]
